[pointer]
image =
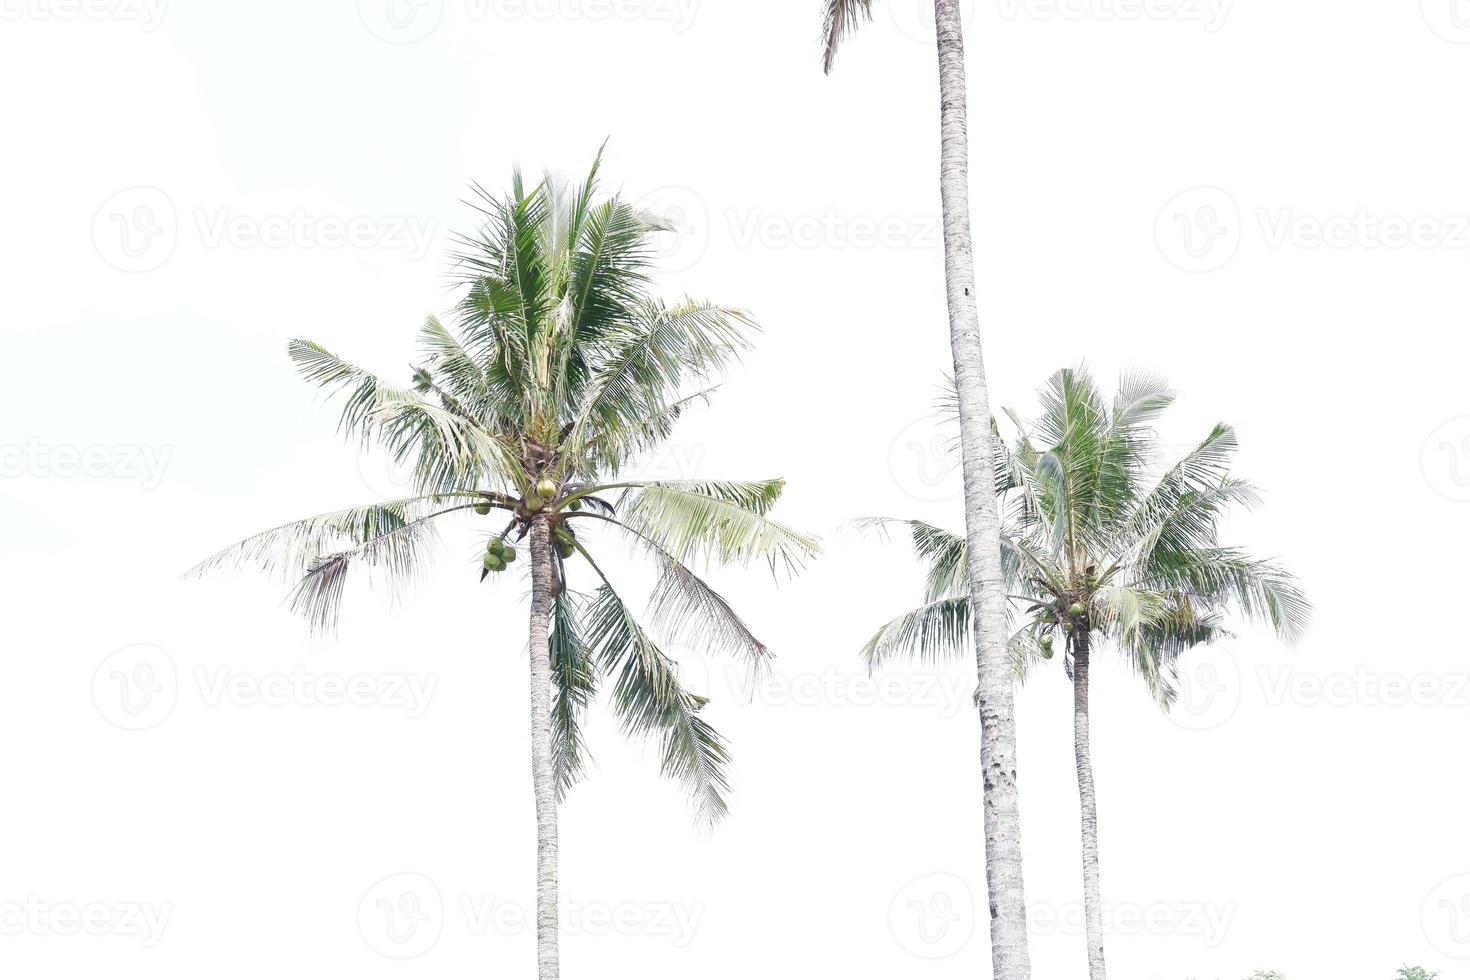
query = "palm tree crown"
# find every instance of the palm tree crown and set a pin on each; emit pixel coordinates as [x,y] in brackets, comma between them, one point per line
[556,371]
[1099,542]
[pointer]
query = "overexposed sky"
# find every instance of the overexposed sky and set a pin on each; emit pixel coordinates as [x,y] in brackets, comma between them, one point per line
[1266,202]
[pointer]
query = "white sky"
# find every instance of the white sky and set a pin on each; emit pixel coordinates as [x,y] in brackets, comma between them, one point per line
[1274,826]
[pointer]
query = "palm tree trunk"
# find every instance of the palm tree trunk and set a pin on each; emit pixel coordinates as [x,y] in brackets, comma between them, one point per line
[543,585]
[1010,956]
[1082,744]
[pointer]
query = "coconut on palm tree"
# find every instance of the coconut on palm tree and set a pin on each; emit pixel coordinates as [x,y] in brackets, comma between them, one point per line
[1102,546]
[995,697]
[556,372]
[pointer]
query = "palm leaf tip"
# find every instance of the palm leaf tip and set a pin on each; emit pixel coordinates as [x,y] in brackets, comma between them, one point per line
[842,18]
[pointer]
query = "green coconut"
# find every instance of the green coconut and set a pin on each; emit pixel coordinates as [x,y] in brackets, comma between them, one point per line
[1076,609]
[534,502]
[494,562]
[1046,650]
[575,505]
[507,554]
[495,544]
[546,488]
[482,508]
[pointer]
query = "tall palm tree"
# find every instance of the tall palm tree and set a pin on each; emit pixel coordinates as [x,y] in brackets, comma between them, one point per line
[995,697]
[1101,545]
[558,371]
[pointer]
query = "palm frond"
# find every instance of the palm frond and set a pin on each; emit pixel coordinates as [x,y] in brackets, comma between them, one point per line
[842,18]
[935,632]
[718,521]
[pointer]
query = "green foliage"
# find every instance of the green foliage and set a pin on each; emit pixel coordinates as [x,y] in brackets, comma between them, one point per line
[1100,541]
[1415,973]
[555,373]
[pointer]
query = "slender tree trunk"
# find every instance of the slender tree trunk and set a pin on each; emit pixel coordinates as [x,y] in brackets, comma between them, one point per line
[543,584]
[1082,743]
[1010,955]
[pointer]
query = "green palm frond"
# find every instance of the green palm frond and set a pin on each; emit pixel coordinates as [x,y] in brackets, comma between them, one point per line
[716,521]
[575,677]
[650,700]
[935,632]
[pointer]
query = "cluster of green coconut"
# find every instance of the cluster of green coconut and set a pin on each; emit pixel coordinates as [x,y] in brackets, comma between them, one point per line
[1048,618]
[498,554]
[564,541]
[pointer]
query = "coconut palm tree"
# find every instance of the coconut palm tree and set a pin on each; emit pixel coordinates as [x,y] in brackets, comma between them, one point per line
[1101,545]
[557,370]
[995,698]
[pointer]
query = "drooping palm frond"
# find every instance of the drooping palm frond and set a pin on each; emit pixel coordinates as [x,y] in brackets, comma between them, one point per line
[935,632]
[715,521]
[841,19]
[650,700]
[575,676]
[289,549]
